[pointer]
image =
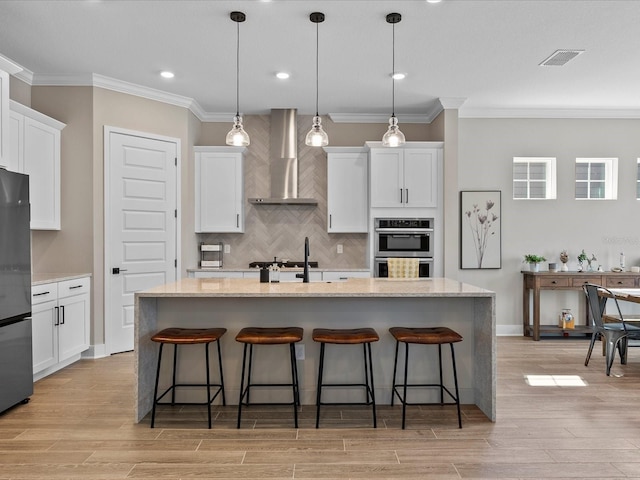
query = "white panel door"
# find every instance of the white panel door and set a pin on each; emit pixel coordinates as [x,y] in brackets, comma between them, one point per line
[141,229]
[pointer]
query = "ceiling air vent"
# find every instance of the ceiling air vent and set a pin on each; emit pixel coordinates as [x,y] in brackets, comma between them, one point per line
[560,58]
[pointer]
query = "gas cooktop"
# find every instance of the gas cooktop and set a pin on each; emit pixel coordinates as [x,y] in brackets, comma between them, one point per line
[287,264]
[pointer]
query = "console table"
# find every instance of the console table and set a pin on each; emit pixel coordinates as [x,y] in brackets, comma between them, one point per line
[534,282]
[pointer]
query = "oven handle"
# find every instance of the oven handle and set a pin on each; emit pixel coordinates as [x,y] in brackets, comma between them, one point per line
[421,259]
[404,230]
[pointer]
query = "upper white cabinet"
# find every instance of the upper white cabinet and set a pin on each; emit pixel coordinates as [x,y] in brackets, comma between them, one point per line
[404,176]
[219,189]
[35,150]
[347,192]
[4,119]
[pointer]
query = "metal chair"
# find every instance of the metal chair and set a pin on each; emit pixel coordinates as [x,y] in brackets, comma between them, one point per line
[615,334]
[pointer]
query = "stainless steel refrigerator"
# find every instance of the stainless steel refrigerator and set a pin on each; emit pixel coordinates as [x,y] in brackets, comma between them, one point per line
[16,359]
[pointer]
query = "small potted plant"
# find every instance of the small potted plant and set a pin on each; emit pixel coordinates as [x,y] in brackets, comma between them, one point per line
[534,261]
[581,259]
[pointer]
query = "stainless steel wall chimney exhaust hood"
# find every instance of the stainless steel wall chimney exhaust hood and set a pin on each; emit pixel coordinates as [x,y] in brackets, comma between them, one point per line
[283,161]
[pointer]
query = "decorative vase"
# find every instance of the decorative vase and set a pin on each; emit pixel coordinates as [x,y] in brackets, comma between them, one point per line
[534,267]
[564,268]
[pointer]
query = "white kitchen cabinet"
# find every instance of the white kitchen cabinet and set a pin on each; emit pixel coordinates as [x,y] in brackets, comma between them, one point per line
[4,119]
[35,150]
[213,274]
[219,189]
[405,176]
[61,322]
[347,190]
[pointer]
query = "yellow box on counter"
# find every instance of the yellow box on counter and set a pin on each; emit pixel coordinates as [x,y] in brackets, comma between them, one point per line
[566,320]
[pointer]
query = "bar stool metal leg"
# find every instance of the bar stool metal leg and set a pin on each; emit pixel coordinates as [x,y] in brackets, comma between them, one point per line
[455,382]
[244,362]
[294,383]
[319,387]
[371,386]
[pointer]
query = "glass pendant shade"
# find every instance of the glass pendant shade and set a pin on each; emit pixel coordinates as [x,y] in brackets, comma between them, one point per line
[237,137]
[393,137]
[317,137]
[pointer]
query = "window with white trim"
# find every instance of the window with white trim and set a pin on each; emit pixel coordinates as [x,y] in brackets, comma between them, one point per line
[534,178]
[596,178]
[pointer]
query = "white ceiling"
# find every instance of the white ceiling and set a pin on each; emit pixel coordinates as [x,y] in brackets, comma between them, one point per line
[484,52]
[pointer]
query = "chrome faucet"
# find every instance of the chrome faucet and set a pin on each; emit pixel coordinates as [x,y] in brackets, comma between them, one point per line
[305,275]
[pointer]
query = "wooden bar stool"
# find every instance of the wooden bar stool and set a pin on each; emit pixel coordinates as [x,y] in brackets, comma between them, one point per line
[353,336]
[425,336]
[251,336]
[188,336]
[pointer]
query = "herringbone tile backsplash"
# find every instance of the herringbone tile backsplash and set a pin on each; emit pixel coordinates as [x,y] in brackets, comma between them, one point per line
[279,230]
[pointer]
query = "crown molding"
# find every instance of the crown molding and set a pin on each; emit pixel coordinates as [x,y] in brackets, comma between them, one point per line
[9,66]
[434,109]
[577,113]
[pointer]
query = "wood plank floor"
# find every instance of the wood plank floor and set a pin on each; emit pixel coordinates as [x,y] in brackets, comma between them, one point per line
[79,425]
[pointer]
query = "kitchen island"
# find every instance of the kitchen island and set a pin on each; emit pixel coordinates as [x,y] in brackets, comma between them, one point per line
[373,302]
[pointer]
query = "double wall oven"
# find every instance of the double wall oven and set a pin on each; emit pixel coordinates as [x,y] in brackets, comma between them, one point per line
[403,237]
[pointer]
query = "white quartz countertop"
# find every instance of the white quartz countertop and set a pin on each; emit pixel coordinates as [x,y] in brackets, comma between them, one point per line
[353,287]
[282,269]
[40,278]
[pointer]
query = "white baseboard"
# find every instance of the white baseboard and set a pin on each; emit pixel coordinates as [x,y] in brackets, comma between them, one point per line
[509,331]
[95,351]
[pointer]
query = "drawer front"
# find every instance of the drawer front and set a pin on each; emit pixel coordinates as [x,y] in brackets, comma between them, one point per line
[620,282]
[554,282]
[44,292]
[578,282]
[77,286]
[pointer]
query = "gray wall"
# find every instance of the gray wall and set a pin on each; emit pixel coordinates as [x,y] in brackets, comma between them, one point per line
[546,227]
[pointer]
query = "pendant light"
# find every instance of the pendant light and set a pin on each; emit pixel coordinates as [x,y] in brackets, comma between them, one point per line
[237,136]
[393,137]
[317,137]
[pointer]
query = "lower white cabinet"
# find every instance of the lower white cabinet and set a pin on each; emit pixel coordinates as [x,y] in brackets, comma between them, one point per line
[341,276]
[60,319]
[4,119]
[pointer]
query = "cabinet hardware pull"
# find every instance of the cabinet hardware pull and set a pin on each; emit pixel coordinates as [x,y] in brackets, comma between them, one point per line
[554,282]
[401,195]
[41,293]
[57,321]
[330,221]
[237,220]
[406,200]
[62,310]
[75,286]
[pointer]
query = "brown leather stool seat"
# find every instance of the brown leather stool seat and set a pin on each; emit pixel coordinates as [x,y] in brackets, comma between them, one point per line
[352,336]
[251,336]
[188,336]
[425,336]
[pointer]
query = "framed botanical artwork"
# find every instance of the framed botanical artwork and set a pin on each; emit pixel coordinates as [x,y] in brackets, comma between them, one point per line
[480,229]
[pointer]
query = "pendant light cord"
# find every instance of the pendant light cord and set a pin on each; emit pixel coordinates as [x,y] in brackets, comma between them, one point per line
[317,66]
[393,71]
[238,69]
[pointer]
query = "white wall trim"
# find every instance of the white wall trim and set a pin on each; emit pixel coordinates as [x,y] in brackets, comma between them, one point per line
[96,351]
[481,112]
[509,330]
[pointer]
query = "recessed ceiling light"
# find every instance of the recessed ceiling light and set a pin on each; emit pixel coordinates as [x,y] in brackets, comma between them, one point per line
[167,74]
[282,75]
[434,1]
[398,75]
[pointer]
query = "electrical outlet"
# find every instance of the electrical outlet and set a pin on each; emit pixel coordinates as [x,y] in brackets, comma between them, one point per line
[299,351]
[339,249]
[227,248]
